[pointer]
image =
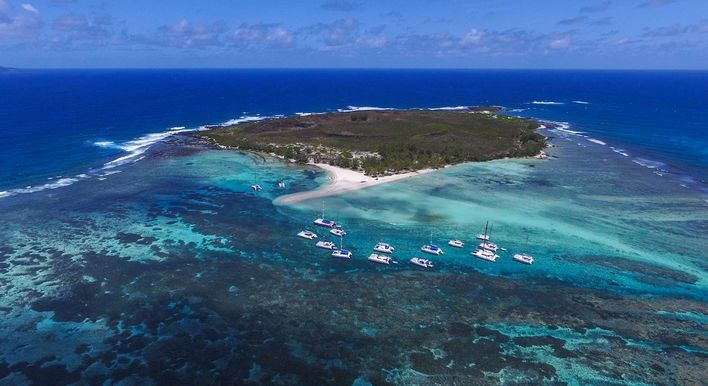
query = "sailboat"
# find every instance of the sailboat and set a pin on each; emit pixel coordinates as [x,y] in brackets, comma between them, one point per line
[484,250]
[323,222]
[432,248]
[486,244]
[484,236]
[341,253]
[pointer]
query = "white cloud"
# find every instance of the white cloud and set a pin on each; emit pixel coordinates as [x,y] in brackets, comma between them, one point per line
[29,8]
[560,43]
[472,37]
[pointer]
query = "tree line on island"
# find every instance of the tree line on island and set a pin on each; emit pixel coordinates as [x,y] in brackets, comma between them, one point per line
[385,142]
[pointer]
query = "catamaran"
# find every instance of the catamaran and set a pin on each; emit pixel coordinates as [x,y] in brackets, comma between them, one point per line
[485,255]
[484,236]
[338,231]
[422,262]
[381,259]
[307,235]
[456,243]
[432,248]
[341,253]
[523,258]
[488,245]
[384,248]
[326,245]
[323,222]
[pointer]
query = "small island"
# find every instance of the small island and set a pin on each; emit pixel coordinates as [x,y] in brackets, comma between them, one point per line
[369,147]
[387,142]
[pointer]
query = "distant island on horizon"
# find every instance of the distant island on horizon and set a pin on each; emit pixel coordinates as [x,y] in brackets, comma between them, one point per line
[385,142]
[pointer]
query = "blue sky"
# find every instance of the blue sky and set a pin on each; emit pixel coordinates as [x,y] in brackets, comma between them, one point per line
[644,34]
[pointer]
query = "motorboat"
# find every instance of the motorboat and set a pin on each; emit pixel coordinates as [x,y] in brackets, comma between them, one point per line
[384,248]
[256,188]
[523,258]
[381,259]
[422,262]
[432,249]
[456,243]
[307,235]
[338,231]
[485,255]
[342,254]
[326,245]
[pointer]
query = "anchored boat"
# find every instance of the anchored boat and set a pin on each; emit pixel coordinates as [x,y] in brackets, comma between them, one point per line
[384,248]
[422,262]
[381,259]
[323,222]
[307,235]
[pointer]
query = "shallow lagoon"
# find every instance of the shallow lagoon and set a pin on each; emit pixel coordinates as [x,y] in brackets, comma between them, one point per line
[172,271]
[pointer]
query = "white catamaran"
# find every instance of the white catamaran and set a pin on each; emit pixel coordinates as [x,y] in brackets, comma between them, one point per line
[341,253]
[323,222]
[432,248]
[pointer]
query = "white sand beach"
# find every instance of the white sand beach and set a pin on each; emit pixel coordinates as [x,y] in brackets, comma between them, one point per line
[343,180]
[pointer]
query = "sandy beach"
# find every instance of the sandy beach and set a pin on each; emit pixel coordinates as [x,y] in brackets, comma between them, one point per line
[343,180]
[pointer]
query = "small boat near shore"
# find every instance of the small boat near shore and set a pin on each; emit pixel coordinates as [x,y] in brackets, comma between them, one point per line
[485,255]
[326,245]
[523,258]
[384,248]
[425,263]
[380,259]
[456,243]
[307,235]
[256,188]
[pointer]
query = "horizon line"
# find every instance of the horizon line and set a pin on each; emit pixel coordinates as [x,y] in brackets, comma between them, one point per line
[360,68]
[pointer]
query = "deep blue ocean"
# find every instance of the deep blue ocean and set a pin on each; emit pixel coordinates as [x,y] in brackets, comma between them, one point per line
[63,123]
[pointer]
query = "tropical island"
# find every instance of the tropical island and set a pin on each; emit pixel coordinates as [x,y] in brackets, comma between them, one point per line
[366,147]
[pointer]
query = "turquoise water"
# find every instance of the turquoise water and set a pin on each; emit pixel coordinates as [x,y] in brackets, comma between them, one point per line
[173,272]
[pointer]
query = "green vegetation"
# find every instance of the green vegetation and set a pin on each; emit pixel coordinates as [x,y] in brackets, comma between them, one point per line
[381,142]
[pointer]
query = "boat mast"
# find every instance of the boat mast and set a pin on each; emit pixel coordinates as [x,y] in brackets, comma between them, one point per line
[323,210]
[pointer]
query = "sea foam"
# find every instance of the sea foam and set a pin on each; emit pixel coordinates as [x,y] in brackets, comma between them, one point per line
[350,109]
[648,163]
[546,103]
[449,108]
